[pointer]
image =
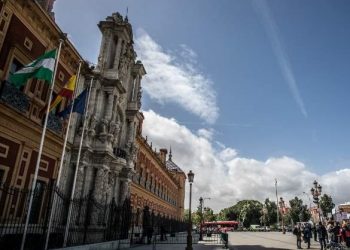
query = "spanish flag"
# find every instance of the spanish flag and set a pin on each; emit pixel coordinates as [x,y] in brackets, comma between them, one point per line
[66,92]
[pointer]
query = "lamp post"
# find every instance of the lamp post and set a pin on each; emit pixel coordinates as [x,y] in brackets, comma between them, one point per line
[316,191]
[282,207]
[190,176]
[201,205]
[202,217]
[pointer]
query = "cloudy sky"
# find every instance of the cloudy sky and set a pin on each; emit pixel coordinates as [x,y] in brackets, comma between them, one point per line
[244,91]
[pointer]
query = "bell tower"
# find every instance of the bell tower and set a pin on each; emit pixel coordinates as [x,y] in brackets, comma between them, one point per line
[109,149]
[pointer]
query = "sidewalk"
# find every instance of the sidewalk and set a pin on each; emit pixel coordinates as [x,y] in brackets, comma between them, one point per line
[198,246]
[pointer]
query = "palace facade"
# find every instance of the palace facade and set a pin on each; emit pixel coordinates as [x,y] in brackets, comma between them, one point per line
[119,174]
[158,182]
[27,31]
[109,149]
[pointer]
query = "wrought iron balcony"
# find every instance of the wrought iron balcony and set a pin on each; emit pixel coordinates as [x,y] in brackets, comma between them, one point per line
[12,96]
[54,123]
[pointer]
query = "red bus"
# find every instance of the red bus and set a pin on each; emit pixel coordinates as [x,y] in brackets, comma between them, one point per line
[219,226]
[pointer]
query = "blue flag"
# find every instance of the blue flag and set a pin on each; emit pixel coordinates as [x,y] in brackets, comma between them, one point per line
[79,105]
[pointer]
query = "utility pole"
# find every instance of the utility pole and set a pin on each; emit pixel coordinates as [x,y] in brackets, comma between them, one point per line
[278,221]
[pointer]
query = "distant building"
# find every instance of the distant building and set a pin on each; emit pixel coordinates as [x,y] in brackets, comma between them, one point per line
[342,212]
[158,183]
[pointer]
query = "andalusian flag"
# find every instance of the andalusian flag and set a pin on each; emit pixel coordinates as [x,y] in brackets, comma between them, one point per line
[42,68]
[66,92]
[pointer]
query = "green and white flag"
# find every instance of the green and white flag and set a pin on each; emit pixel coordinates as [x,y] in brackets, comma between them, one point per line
[42,68]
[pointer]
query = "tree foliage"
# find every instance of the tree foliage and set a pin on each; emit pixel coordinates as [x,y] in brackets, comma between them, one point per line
[247,211]
[326,204]
[298,211]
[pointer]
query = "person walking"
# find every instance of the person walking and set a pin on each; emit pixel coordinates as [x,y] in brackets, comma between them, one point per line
[322,232]
[307,234]
[347,235]
[314,230]
[337,232]
[297,233]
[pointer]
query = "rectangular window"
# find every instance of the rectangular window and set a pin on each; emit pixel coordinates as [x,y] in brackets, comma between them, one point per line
[2,175]
[37,201]
[15,66]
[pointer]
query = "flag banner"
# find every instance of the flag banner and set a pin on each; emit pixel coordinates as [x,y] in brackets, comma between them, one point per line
[78,107]
[42,68]
[66,92]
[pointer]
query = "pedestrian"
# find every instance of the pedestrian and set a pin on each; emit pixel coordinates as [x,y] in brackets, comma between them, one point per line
[307,234]
[347,235]
[330,231]
[297,233]
[322,232]
[162,233]
[337,232]
[314,230]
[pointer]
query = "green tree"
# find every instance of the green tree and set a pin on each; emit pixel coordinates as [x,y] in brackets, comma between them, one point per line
[250,212]
[271,212]
[298,211]
[208,214]
[326,204]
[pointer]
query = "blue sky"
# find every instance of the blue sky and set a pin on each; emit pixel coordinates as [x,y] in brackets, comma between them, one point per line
[273,76]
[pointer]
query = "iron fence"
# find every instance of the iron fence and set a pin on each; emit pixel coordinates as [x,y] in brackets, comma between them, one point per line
[91,221]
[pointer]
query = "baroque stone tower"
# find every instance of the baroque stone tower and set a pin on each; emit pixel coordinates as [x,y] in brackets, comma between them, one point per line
[109,151]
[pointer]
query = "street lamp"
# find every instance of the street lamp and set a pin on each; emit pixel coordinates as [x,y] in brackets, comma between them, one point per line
[316,191]
[190,176]
[282,207]
[201,205]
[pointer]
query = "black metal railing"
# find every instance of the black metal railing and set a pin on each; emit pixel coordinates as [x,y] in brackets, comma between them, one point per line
[12,96]
[91,221]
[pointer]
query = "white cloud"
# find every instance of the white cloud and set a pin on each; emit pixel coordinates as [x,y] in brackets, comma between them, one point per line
[282,57]
[220,173]
[206,133]
[174,78]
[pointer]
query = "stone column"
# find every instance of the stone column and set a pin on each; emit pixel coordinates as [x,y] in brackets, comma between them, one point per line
[124,190]
[92,102]
[98,187]
[117,53]
[109,106]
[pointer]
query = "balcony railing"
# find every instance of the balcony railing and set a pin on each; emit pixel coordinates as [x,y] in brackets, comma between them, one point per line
[12,96]
[18,100]
[54,123]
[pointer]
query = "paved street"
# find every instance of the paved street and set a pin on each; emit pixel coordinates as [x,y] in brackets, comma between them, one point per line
[243,241]
[265,240]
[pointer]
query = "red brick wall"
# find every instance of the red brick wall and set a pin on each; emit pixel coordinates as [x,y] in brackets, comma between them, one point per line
[16,34]
[10,160]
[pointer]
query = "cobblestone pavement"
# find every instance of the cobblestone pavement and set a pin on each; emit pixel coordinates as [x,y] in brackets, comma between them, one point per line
[265,240]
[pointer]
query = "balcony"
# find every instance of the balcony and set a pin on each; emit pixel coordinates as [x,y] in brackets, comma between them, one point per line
[13,97]
[54,123]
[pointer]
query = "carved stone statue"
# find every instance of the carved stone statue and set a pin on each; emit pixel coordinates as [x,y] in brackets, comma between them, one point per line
[103,126]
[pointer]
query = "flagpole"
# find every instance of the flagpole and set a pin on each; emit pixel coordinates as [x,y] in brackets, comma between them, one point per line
[77,167]
[62,158]
[35,177]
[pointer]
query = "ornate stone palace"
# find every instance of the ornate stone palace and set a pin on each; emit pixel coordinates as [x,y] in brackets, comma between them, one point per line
[109,150]
[117,164]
